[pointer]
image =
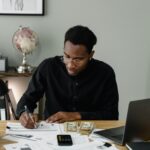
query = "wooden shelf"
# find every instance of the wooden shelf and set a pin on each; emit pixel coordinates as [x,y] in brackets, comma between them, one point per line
[11,72]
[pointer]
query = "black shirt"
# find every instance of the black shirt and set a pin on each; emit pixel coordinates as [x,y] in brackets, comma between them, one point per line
[93,92]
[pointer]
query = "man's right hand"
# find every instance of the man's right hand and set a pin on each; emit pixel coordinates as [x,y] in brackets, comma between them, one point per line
[26,120]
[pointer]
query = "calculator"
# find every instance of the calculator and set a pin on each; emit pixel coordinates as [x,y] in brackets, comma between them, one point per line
[64,140]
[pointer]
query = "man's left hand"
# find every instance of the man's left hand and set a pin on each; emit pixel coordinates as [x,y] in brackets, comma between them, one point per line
[61,117]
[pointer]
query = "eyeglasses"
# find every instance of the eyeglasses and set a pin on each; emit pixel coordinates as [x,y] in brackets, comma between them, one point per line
[76,60]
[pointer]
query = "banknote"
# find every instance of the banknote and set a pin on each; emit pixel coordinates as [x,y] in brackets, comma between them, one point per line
[86,127]
[71,126]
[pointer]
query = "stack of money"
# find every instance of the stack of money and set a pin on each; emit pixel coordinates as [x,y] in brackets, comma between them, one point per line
[86,128]
[71,126]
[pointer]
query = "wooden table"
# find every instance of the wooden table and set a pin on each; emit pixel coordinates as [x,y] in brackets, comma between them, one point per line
[98,124]
[12,72]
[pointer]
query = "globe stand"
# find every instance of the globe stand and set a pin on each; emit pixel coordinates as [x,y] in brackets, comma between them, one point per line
[24,67]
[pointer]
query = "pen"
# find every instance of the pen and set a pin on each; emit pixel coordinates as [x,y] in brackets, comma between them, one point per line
[21,135]
[30,116]
[27,137]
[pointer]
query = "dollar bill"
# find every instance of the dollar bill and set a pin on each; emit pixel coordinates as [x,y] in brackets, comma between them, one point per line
[71,126]
[86,127]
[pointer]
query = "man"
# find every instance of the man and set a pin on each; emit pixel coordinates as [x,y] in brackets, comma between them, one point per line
[76,86]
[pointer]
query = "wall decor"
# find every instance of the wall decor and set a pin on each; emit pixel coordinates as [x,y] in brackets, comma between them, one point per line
[21,7]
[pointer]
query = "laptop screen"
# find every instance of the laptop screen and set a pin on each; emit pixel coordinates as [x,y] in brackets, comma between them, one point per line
[138,121]
[137,125]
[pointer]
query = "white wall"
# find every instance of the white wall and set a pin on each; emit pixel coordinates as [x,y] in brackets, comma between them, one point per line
[122,28]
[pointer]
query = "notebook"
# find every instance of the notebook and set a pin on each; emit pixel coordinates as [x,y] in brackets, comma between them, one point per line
[137,127]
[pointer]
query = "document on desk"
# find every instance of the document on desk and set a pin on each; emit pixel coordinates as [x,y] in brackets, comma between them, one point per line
[27,146]
[44,146]
[16,132]
[29,139]
[95,137]
[42,126]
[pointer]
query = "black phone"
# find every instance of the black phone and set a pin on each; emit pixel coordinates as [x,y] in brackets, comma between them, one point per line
[64,140]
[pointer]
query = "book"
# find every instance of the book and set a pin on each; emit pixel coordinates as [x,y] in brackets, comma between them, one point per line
[2,108]
[138,146]
[2,114]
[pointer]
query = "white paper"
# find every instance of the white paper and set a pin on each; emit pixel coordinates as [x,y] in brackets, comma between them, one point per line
[96,137]
[48,140]
[44,146]
[42,126]
[29,145]
[44,132]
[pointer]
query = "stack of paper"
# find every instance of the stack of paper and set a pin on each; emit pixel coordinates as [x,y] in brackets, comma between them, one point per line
[42,126]
[44,137]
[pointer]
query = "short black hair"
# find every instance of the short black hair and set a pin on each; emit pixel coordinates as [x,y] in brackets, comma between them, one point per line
[81,35]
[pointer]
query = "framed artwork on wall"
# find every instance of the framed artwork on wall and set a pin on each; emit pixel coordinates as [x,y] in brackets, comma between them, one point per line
[22,7]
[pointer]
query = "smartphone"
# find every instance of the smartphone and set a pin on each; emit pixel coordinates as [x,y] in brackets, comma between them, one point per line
[64,140]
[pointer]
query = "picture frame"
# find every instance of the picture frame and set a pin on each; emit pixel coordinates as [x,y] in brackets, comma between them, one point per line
[22,7]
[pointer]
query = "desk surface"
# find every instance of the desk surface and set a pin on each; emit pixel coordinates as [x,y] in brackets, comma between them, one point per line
[98,124]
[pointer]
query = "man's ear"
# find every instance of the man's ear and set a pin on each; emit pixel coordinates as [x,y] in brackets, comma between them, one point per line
[91,54]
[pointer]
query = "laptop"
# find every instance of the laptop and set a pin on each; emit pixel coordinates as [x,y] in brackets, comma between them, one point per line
[137,127]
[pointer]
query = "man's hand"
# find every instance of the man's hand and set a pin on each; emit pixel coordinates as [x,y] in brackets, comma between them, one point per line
[26,120]
[61,117]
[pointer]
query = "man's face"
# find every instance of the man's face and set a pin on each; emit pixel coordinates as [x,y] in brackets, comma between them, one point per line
[76,58]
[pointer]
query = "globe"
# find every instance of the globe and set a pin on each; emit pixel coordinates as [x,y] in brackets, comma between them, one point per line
[25,40]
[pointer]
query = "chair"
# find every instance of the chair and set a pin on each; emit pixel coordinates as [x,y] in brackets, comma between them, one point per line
[7,101]
[11,104]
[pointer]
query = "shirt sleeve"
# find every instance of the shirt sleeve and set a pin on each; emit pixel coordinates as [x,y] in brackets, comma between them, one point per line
[110,96]
[33,93]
